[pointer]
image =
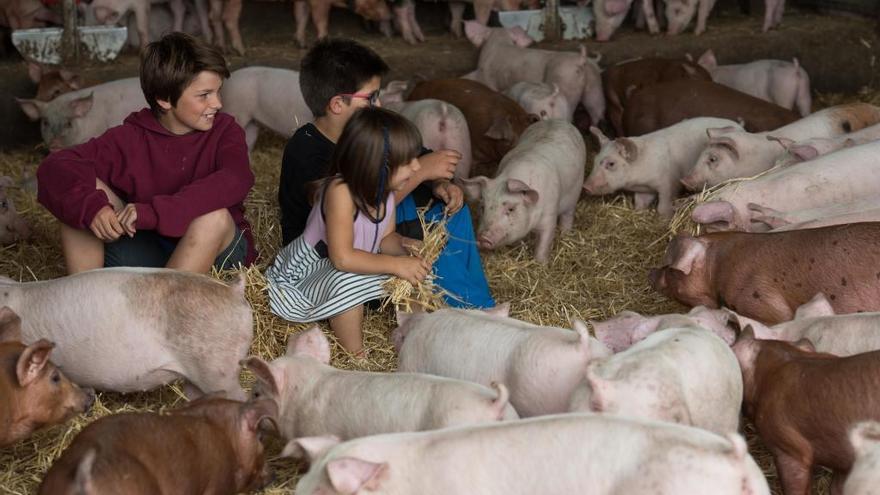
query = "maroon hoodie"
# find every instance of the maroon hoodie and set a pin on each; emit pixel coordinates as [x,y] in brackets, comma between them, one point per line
[171,179]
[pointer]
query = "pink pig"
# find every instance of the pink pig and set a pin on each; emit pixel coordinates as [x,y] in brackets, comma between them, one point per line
[443,127]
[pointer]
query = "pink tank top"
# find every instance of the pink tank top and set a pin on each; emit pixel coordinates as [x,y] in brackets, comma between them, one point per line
[367,234]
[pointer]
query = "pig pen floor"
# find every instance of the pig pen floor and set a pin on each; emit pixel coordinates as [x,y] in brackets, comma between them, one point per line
[596,270]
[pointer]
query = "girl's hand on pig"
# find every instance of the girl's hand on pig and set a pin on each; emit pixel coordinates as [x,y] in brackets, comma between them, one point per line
[128,218]
[106,226]
[450,194]
[412,269]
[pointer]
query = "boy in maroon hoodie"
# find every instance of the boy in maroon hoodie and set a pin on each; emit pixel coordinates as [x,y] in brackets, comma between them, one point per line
[167,187]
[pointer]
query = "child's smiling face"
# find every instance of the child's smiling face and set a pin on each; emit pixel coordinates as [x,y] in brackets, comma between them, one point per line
[404,173]
[197,106]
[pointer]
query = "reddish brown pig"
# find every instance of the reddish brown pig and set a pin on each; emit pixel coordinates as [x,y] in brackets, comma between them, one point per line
[210,446]
[33,392]
[495,121]
[803,404]
[661,105]
[767,276]
[53,82]
[620,80]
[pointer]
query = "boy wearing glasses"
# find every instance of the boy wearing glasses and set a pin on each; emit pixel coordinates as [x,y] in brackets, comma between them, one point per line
[338,77]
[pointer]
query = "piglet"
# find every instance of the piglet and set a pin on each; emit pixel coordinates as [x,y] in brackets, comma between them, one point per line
[609,16]
[265,96]
[13,227]
[211,445]
[808,149]
[134,329]
[866,209]
[443,127]
[864,478]
[52,82]
[540,365]
[35,393]
[651,165]
[767,276]
[75,117]
[536,187]
[569,453]
[684,375]
[803,404]
[628,327]
[308,391]
[541,99]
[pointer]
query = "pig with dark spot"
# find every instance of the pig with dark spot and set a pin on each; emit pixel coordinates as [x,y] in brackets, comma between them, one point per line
[864,478]
[767,276]
[803,404]
[567,453]
[682,374]
[210,446]
[35,393]
[134,329]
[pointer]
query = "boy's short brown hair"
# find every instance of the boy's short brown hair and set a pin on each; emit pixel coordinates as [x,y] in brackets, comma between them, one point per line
[169,65]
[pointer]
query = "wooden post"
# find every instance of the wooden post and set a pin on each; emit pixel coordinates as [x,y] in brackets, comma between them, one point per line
[69,39]
[552,23]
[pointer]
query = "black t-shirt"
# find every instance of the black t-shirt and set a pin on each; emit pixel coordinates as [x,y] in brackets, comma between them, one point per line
[305,159]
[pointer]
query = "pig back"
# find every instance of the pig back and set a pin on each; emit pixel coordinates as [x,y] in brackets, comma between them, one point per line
[482,108]
[663,104]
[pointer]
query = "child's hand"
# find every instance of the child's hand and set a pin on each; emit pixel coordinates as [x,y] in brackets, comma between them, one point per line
[412,269]
[106,226]
[450,194]
[439,164]
[128,217]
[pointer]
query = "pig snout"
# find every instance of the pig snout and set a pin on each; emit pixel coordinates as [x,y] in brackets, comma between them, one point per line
[656,278]
[88,399]
[484,241]
[596,185]
[689,182]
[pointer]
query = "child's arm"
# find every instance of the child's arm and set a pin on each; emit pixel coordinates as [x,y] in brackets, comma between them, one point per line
[436,165]
[339,210]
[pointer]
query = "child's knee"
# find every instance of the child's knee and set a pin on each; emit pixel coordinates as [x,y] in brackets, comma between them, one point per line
[217,222]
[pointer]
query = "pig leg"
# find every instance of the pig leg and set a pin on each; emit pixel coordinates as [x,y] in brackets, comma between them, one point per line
[320,17]
[216,14]
[482,10]
[648,7]
[456,12]
[769,13]
[777,12]
[202,13]
[251,132]
[177,12]
[545,242]
[704,8]
[403,24]
[417,30]
[769,216]
[837,482]
[643,200]
[231,14]
[794,473]
[665,196]
[142,21]
[301,14]
[566,220]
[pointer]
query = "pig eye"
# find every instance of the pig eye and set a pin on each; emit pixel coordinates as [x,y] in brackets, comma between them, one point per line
[713,160]
[609,164]
[56,377]
[511,209]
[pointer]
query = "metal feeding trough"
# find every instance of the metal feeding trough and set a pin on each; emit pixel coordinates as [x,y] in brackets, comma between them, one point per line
[99,43]
[577,22]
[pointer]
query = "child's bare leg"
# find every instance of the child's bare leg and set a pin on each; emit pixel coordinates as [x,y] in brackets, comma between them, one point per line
[347,328]
[205,238]
[82,250]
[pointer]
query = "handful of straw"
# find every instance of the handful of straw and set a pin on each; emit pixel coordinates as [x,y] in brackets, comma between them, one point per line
[424,296]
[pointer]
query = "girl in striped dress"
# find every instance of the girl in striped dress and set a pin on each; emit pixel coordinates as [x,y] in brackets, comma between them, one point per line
[349,246]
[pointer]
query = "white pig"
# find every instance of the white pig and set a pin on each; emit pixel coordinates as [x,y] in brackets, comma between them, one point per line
[571,453]
[784,83]
[443,127]
[541,99]
[317,399]
[115,12]
[628,327]
[841,335]
[684,375]
[733,153]
[864,477]
[609,16]
[863,210]
[266,96]
[773,10]
[540,365]
[845,176]
[74,118]
[679,14]
[651,165]
[134,329]
[537,184]
[505,60]
[808,149]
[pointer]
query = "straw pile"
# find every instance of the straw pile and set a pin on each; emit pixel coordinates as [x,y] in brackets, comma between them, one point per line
[595,271]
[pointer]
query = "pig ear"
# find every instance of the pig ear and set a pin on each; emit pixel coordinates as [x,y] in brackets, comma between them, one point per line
[864,436]
[628,149]
[402,317]
[502,310]
[520,37]
[804,152]
[726,143]
[71,78]
[738,446]
[747,334]
[691,251]
[713,132]
[32,108]
[349,475]
[615,7]
[310,448]
[32,361]
[476,33]
[260,414]
[10,325]
[80,107]
[517,186]
[473,187]
[690,70]
[804,344]
[783,141]
[601,390]
[599,135]
[501,129]
[815,307]
[83,479]
[708,60]
[499,403]
[313,343]
[263,371]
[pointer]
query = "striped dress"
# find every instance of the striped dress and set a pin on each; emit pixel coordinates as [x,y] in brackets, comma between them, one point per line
[303,284]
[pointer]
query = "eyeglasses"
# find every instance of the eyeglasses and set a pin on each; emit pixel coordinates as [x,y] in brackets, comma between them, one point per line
[372,97]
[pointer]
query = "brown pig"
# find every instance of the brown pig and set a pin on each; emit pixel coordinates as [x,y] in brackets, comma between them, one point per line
[495,121]
[663,104]
[210,446]
[803,404]
[618,81]
[33,392]
[767,276]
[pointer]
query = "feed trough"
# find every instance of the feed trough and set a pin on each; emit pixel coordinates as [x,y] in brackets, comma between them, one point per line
[43,45]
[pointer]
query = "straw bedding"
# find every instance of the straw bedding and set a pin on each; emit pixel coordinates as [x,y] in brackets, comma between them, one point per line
[595,271]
